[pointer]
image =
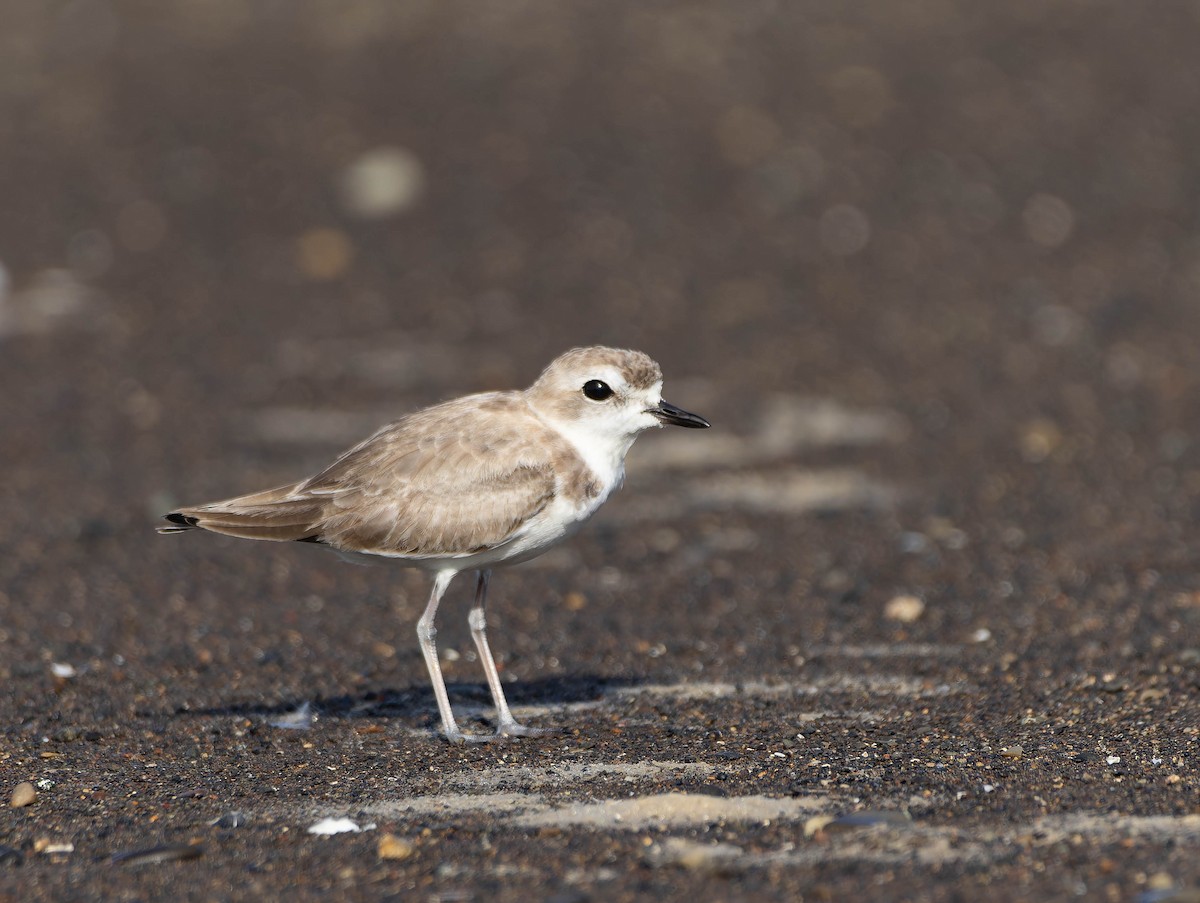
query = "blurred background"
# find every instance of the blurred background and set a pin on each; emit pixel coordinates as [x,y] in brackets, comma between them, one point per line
[962,239]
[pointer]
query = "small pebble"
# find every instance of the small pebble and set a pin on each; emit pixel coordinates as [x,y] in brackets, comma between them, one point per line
[324,254]
[816,824]
[694,856]
[1039,439]
[23,795]
[1012,752]
[172,852]
[48,847]
[230,820]
[905,609]
[382,182]
[868,818]
[393,847]
[1189,657]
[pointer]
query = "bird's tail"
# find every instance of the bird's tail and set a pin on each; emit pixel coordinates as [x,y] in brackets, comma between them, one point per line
[276,515]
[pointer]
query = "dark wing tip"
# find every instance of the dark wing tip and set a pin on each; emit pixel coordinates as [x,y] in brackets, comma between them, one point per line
[184,521]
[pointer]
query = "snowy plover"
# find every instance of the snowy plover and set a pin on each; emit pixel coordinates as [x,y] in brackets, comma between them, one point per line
[481,481]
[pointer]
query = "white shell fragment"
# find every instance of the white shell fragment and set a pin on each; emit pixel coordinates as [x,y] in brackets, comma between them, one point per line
[300,719]
[337,826]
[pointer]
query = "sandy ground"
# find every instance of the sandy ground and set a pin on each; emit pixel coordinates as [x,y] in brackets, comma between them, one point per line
[918,619]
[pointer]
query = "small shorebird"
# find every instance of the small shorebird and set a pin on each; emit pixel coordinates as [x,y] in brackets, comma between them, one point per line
[481,481]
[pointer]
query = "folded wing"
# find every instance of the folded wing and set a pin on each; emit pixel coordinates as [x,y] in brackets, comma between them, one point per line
[455,479]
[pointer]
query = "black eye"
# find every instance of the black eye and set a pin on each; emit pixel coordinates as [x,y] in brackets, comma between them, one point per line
[597,390]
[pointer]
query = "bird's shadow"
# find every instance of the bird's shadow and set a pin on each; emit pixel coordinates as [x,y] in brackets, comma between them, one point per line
[417,701]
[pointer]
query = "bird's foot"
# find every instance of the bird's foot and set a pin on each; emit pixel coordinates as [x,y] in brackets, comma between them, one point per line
[504,730]
[513,729]
[458,738]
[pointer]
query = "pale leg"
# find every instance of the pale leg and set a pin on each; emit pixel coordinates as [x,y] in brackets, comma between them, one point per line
[506,725]
[427,635]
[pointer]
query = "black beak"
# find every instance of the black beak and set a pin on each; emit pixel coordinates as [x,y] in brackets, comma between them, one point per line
[668,413]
